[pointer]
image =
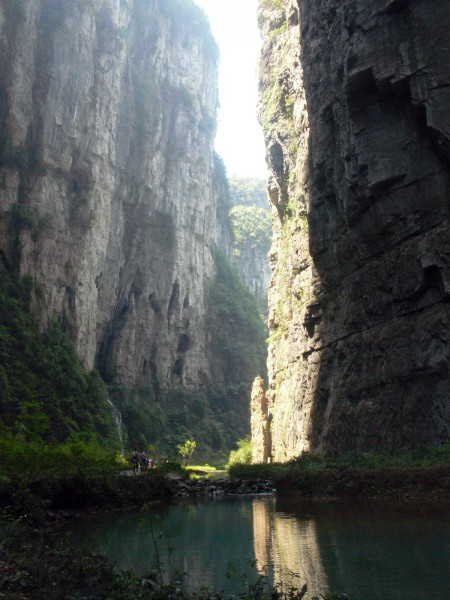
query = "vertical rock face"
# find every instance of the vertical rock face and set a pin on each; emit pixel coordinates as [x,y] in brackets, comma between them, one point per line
[253,269]
[260,425]
[107,116]
[250,217]
[354,104]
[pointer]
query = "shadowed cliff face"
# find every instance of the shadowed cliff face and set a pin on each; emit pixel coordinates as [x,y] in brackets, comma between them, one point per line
[354,103]
[107,121]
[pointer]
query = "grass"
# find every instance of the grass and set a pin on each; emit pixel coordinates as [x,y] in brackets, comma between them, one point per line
[18,456]
[36,478]
[193,469]
[421,457]
[422,472]
[200,471]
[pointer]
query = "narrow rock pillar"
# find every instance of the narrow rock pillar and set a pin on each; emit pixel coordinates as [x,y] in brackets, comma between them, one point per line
[260,423]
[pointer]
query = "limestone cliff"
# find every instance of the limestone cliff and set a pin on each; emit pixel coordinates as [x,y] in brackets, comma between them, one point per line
[260,424]
[107,120]
[250,219]
[354,104]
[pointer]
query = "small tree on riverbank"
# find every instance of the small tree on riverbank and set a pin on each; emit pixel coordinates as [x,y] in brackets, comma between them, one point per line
[186,450]
[243,455]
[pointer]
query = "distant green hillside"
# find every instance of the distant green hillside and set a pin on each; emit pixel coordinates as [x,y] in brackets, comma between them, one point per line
[251,229]
[248,192]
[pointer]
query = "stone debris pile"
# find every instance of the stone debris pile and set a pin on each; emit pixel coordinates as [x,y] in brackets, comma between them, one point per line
[223,487]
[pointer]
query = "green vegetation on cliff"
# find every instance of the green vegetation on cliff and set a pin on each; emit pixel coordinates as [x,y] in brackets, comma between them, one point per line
[237,330]
[251,229]
[159,421]
[45,393]
[249,216]
[213,418]
[248,191]
[251,235]
[216,417]
[46,396]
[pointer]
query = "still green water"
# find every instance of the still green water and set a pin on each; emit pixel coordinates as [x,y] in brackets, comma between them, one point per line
[371,552]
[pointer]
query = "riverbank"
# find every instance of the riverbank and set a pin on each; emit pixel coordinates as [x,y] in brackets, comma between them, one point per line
[422,474]
[77,478]
[222,487]
[36,563]
[430,485]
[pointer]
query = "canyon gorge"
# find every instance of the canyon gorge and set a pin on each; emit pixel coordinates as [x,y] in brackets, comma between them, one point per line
[115,206]
[112,199]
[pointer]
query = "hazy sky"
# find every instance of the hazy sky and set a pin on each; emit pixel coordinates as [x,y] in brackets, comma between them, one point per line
[239,137]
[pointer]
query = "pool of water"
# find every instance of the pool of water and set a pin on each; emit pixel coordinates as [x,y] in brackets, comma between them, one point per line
[369,551]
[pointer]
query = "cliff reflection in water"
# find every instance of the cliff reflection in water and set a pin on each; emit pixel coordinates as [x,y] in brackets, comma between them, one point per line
[367,551]
[290,545]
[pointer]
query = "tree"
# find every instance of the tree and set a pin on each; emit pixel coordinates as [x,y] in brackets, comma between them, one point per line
[187,450]
[251,229]
[243,455]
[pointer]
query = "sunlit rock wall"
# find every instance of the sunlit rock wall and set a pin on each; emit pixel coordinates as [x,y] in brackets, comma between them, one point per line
[354,104]
[107,117]
[259,421]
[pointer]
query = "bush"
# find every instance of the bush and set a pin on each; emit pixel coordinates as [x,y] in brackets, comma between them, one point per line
[243,455]
[388,474]
[35,477]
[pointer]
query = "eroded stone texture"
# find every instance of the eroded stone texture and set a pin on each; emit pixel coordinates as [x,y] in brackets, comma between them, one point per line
[108,117]
[260,423]
[250,255]
[253,269]
[355,103]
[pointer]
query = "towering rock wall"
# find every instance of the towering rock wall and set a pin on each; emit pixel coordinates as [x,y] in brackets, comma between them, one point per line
[354,104]
[250,218]
[253,269]
[107,119]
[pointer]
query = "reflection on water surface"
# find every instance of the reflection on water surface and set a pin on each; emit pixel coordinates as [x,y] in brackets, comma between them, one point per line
[370,552]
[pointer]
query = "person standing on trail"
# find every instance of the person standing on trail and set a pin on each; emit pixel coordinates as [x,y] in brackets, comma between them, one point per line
[135,461]
[143,461]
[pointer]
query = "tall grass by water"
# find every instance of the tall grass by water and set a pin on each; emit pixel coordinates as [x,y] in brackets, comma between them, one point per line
[420,472]
[36,478]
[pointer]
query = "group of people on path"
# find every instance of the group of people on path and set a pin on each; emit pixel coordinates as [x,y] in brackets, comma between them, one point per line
[140,462]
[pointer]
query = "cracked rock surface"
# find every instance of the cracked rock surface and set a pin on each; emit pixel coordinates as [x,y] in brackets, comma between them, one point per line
[355,99]
[107,120]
